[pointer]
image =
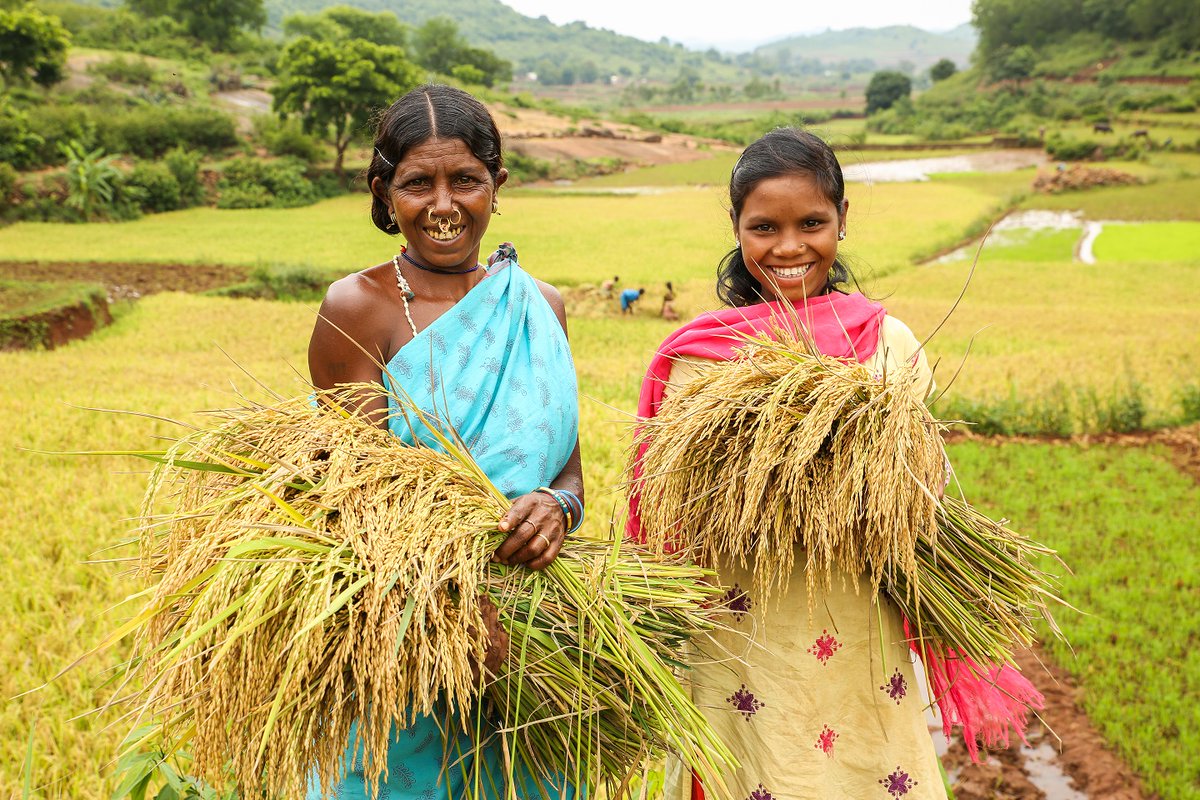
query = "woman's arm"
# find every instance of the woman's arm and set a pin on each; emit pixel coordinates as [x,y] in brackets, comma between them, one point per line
[535,522]
[350,342]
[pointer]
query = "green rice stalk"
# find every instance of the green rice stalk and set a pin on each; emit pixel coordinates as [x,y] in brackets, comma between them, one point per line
[307,573]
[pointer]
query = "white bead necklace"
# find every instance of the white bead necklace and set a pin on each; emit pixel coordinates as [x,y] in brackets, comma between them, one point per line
[406,293]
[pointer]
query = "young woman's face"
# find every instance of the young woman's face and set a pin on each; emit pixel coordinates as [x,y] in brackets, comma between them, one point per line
[442,196]
[788,231]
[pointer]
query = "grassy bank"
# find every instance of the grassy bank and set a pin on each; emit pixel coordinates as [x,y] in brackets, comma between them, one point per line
[1123,520]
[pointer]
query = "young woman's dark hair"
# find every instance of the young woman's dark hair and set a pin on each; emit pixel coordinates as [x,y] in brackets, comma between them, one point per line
[783,151]
[430,111]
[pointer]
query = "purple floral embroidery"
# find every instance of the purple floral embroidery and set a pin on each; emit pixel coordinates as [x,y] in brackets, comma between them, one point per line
[896,687]
[825,741]
[738,602]
[745,702]
[898,783]
[824,647]
[761,794]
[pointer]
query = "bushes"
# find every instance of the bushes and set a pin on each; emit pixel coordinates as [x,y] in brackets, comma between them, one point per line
[55,124]
[136,72]
[287,138]
[155,187]
[19,144]
[1067,149]
[253,183]
[1062,410]
[302,282]
[150,131]
[185,166]
[8,184]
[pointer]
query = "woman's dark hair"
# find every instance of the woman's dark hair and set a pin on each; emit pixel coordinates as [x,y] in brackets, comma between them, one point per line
[430,111]
[783,151]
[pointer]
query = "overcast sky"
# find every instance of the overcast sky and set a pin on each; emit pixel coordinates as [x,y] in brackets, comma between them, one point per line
[743,25]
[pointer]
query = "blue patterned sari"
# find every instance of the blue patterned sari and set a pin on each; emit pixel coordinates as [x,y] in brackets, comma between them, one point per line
[496,366]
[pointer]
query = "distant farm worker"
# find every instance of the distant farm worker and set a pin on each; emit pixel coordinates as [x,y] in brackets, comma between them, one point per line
[434,316]
[607,286]
[668,311]
[628,298]
[825,702]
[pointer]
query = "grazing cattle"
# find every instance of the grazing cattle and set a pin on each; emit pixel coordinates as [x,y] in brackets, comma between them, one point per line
[1102,127]
[1145,134]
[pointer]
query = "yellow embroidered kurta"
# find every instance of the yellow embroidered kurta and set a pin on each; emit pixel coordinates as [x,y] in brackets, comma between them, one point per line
[815,701]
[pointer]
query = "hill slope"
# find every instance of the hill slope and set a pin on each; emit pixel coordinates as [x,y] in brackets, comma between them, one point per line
[886,47]
[526,41]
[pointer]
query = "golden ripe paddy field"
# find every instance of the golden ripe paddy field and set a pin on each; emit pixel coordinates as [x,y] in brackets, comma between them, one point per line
[1042,327]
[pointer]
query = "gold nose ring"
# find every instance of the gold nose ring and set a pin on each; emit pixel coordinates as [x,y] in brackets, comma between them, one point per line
[444,223]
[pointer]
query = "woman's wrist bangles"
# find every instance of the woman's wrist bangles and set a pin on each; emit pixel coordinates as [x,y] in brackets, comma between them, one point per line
[571,505]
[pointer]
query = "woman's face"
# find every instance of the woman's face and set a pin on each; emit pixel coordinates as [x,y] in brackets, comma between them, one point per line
[442,197]
[788,231]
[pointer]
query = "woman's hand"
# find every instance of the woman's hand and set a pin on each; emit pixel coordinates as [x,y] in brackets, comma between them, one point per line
[497,638]
[536,527]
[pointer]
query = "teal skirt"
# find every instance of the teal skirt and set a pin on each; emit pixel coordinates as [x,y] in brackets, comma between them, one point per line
[415,761]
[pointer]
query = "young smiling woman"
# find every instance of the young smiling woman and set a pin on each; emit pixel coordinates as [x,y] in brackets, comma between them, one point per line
[824,701]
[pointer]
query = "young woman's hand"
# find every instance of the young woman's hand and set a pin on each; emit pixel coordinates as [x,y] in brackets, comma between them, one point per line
[536,528]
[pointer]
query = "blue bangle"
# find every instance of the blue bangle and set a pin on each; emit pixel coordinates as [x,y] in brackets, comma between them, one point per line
[563,505]
[577,504]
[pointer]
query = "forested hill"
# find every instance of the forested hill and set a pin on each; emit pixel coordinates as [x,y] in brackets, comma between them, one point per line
[886,47]
[532,44]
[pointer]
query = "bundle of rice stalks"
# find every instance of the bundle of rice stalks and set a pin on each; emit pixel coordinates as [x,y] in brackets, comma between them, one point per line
[314,574]
[781,447]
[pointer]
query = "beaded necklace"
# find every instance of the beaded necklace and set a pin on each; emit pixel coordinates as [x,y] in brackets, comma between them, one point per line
[406,292]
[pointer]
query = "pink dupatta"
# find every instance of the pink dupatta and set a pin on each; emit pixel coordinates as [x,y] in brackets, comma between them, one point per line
[986,701]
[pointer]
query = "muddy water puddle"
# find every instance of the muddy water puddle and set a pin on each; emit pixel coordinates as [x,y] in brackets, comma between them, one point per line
[920,169]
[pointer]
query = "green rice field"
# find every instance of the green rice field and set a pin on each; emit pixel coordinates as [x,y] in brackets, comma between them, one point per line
[1038,327]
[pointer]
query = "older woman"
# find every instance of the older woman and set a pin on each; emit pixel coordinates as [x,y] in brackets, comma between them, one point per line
[482,348]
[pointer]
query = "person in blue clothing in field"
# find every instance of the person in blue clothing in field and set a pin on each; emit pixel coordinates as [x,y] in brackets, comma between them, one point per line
[628,298]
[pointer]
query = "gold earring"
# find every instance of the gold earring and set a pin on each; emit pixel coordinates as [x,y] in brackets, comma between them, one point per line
[495,206]
[841,235]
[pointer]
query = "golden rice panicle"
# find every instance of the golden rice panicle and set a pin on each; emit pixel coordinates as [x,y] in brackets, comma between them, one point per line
[778,448]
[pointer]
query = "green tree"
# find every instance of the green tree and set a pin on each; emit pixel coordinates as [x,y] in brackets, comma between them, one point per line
[885,89]
[941,70]
[33,47]
[439,47]
[214,22]
[382,27]
[1013,65]
[335,86]
[337,23]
